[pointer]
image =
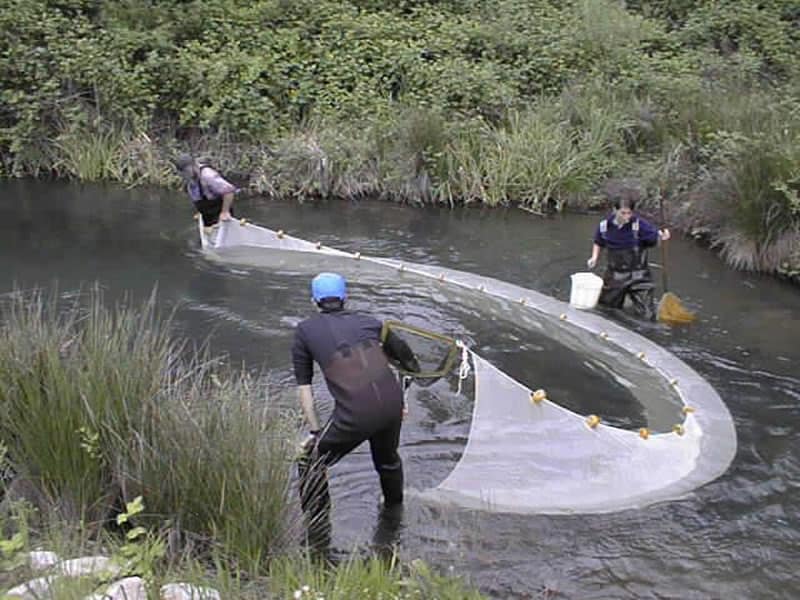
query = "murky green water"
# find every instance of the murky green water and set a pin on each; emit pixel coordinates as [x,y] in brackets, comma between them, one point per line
[737,537]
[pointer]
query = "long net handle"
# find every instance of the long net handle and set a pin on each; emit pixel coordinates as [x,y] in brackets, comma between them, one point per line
[662,244]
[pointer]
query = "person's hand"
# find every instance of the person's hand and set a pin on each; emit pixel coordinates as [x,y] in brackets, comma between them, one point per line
[664,234]
[592,262]
[311,439]
[405,409]
[225,215]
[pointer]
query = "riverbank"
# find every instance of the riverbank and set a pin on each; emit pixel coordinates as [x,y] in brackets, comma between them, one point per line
[163,459]
[502,103]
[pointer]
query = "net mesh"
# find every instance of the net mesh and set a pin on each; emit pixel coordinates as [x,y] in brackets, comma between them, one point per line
[436,354]
[672,311]
[527,454]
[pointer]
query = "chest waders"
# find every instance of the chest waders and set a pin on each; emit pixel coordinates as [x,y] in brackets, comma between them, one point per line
[628,275]
[368,406]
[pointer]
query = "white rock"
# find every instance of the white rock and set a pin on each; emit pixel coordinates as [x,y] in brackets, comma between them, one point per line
[39,560]
[186,591]
[33,589]
[130,588]
[88,565]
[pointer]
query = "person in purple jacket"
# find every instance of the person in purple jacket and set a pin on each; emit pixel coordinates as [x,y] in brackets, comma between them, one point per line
[626,237]
[210,193]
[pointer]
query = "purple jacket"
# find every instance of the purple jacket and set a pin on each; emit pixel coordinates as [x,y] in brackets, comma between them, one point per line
[210,186]
[636,232]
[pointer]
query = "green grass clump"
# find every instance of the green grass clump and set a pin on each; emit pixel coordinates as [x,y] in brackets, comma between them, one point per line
[100,405]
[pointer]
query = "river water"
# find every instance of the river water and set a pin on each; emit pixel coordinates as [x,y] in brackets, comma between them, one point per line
[737,537]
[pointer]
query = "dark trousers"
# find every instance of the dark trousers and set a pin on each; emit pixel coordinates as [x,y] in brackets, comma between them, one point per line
[333,445]
[636,285]
[210,210]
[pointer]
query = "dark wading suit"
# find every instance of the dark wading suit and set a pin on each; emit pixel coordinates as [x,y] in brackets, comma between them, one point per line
[627,272]
[368,405]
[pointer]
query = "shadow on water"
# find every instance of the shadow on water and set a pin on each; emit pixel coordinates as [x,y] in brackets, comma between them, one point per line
[736,537]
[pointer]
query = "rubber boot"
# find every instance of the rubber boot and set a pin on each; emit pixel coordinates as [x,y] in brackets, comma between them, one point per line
[387,531]
[392,483]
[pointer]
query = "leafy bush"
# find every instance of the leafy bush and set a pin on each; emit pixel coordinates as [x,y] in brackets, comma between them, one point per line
[397,99]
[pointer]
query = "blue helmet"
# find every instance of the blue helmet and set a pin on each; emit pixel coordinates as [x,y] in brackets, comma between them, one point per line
[328,285]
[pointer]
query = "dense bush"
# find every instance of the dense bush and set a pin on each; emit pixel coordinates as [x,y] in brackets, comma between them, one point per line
[501,101]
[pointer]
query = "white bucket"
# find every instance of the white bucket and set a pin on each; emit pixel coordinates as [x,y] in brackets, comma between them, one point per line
[585,290]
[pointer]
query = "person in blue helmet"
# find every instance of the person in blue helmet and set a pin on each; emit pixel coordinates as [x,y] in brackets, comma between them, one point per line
[368,398]
[626,237]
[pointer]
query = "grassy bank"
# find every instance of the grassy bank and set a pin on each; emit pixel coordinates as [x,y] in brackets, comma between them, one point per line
[116,439]
[547,105]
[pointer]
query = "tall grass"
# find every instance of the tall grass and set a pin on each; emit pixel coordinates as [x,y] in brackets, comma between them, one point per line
[92,149]
[69,381]
[373,578]
[744,147]
[90,153]
[289,576]
[216,461]
[536,158]
[99,405]
[736,137]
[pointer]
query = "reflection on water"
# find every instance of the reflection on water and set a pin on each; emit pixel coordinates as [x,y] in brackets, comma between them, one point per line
[736,537]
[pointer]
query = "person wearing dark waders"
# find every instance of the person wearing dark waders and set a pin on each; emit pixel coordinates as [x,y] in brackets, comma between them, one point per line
[211,195]
[626,237]
[368,402]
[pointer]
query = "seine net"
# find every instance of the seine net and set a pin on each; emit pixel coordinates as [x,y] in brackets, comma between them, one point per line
[526,453]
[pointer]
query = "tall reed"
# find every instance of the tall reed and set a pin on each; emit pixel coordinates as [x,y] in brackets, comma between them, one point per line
[99,405]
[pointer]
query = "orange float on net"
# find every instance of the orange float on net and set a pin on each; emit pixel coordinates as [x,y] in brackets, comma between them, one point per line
[593,421]
[538,396]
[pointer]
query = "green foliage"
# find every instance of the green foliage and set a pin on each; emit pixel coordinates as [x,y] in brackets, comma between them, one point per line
[356,578]
[501,101]
[261,68]
[15,525]
[753,185]
[142,550]
[217,464]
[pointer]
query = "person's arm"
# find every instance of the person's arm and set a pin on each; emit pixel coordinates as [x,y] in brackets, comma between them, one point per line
[303,373]
[306,399]
[399,351]
[597,245]
[648,234]
[592,262]
[227,202]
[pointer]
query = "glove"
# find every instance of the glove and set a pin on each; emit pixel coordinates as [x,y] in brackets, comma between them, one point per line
[592,262]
